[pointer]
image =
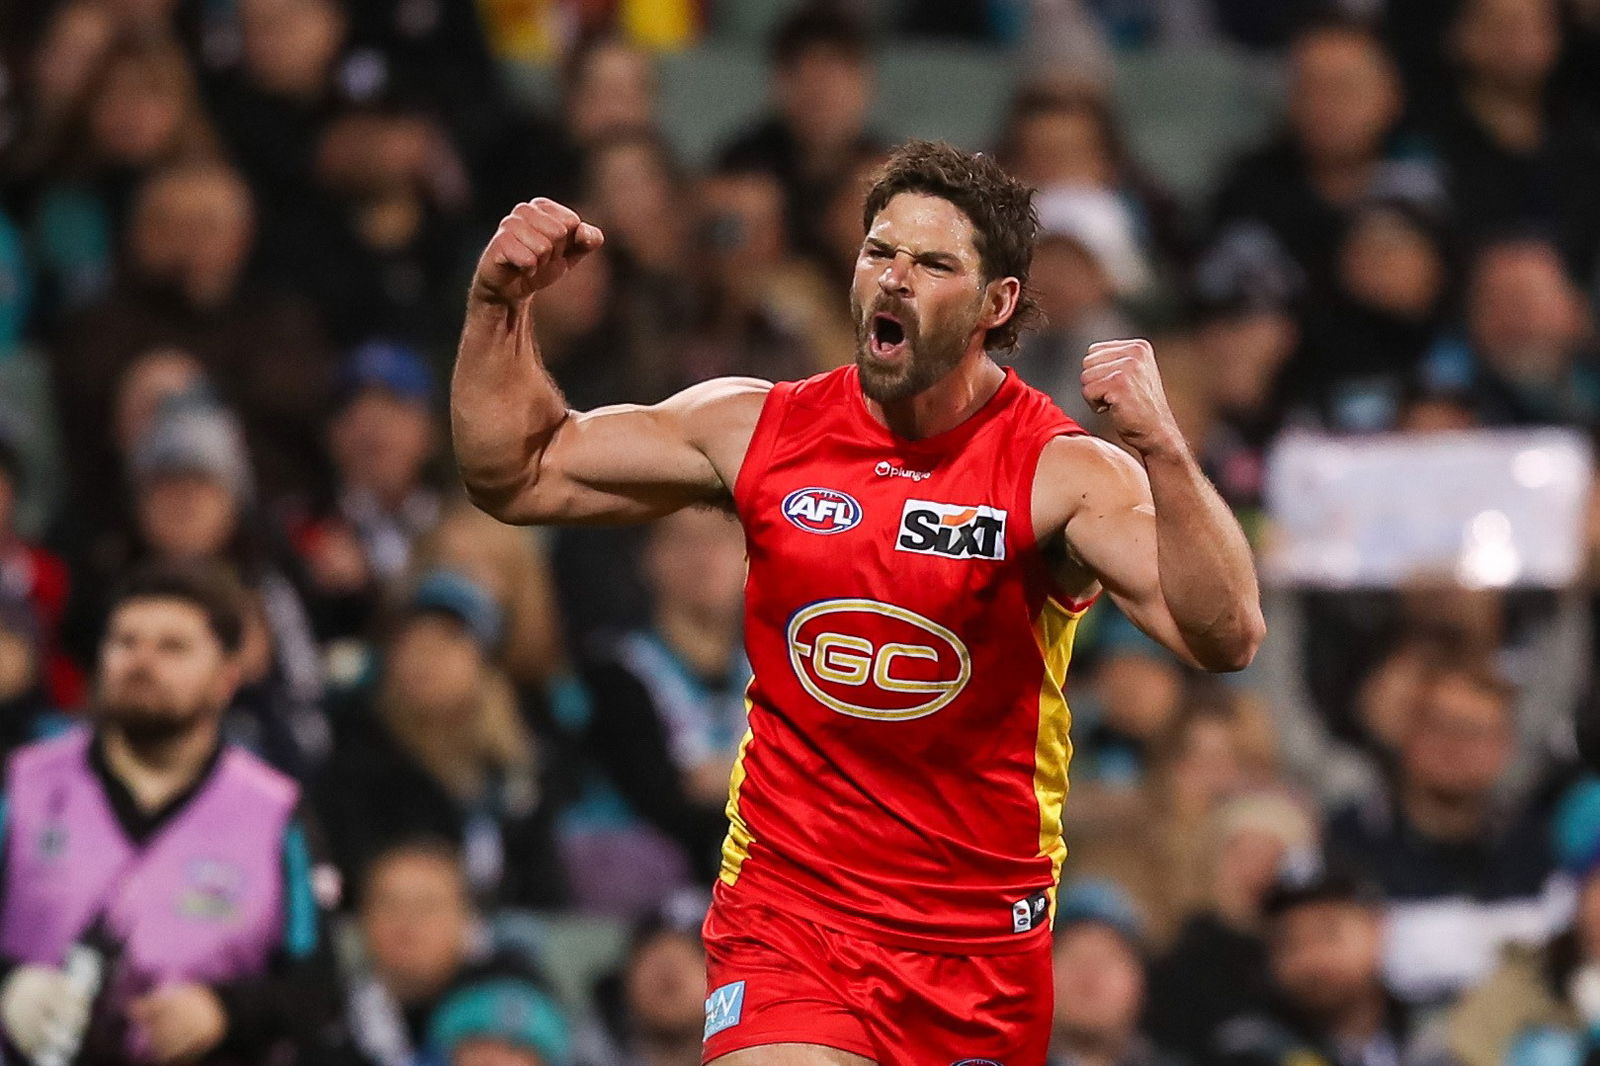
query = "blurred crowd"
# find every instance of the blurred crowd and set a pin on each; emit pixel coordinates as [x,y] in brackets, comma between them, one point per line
[235,237]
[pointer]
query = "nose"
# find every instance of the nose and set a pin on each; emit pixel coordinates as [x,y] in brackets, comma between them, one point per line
[896,277]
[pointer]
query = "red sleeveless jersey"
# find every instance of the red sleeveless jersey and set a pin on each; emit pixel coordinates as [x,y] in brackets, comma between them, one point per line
[906,760]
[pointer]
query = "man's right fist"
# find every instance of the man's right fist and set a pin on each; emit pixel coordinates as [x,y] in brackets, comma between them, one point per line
[536,244]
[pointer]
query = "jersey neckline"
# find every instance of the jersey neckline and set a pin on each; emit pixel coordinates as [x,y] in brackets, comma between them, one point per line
[939,442]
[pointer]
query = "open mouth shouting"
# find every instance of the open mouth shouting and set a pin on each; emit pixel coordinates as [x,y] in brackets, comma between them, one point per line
[886,336]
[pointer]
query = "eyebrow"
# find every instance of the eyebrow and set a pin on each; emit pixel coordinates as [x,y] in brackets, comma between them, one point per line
[941,258]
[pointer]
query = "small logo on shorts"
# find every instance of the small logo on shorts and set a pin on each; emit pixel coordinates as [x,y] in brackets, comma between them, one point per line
[976,1062]
[724,1008]
[1028,913]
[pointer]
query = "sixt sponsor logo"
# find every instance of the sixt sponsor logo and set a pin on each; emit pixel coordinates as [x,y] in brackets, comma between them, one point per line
[955,531]
[822,511]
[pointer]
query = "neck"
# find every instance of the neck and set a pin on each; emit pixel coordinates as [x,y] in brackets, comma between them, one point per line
[157,771]
[1360,1020]
[944,405]
[1445,817]
[705,644]
[1340,181]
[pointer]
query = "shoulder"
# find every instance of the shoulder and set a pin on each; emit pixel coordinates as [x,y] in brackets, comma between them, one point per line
[49,754]
[268,783]
[1083,471]
[720,398]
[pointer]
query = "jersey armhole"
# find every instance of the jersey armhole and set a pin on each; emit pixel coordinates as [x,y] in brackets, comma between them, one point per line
[1035,553]
[758,454]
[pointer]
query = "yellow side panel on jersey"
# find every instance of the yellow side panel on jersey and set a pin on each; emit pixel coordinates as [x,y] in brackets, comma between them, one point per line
[736,845]
[1052,752]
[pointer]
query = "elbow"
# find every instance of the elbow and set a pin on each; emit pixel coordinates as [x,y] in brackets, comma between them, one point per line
[1239,649]
[503,499]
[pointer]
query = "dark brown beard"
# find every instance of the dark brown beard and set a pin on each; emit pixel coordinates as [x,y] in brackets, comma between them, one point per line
[929,358]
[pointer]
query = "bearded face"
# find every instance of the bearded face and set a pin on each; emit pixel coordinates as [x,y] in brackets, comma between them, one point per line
[918,296]
[162,671]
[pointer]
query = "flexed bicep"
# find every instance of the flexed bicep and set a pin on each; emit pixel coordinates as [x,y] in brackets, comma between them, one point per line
[1096,499]
[634,463]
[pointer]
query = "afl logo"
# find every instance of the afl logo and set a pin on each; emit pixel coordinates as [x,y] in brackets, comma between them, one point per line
[868,659]
[824,511]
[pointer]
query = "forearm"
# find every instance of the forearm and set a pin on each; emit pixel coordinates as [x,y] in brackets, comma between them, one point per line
[1207,574]
[504,407]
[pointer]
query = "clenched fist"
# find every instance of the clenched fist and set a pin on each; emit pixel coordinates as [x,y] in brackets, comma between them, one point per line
[1121,381]
[536,244]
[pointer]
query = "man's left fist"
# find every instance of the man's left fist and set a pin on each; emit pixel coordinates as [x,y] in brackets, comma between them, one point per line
[1120,380]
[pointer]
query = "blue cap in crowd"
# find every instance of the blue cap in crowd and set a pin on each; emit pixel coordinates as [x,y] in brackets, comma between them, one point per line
[396,368]
[462,598]
[507,1010]
[1577,828]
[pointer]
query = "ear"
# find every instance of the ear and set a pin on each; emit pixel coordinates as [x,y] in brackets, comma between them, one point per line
[1000,300]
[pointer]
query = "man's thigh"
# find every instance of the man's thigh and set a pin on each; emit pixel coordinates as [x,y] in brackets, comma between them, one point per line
[791,1055]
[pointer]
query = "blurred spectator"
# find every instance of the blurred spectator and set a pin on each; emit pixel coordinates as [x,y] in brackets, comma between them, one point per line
[1151,839]
[1462,875]
[1366,338]
[442,749]
[500,1021]
[821,92]
[381,238]
[421,938]
[194,499]
[1325,937]
[510,564]
[1063,139]
[416,921]
[1541,1005]
[274,105]
[35,578]
[667,705]
[1245,331]
[1529,356]
[79,174]
[1217,965]
[652,1009]
[1086,261]
[763,312]
[1518,153]
[210,938]
[1341,145]
[636,191]
[1098,959]
[382,436]
[185,287]
[607,84]
[435,54]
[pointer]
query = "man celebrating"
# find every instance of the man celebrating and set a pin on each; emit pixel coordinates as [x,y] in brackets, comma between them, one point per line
[160,902]
[923,531]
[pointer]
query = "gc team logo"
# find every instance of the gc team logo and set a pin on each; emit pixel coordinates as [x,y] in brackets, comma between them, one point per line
[868,659]
[824,511]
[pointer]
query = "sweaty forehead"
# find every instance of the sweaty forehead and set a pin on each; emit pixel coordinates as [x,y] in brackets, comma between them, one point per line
[921,224]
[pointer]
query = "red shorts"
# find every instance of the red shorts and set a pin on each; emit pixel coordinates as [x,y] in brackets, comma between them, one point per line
[774,978]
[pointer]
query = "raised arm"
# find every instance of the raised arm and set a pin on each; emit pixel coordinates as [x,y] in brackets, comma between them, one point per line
[1152,530]
[523,455]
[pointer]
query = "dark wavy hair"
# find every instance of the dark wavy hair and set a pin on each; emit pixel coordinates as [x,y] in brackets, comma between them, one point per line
[1000,207]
